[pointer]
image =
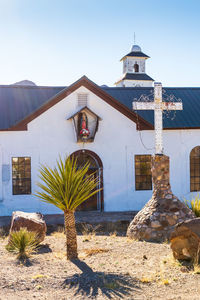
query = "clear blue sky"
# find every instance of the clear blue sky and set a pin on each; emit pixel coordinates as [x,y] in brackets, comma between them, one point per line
[55,42]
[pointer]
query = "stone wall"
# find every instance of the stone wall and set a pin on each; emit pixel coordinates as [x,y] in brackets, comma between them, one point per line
[156,220]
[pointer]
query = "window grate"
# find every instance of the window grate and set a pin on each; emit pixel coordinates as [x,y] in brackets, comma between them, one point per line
[82,100]
[21,175]
[143,177]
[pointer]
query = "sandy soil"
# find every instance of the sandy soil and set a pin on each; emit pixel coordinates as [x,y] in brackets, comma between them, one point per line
[109,267]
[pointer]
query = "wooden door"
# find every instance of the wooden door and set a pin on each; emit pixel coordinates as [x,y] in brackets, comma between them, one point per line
[91,203]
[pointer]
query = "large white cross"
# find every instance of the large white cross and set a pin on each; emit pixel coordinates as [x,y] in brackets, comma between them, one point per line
[158,106]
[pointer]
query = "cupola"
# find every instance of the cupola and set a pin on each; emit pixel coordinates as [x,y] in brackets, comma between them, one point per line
[134,74]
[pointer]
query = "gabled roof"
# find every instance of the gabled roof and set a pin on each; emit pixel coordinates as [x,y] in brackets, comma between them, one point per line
[19,105]
[135,54]
[136,76]
[30,102]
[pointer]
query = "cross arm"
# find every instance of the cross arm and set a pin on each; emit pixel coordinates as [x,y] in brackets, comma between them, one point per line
[172,106]
[143,105]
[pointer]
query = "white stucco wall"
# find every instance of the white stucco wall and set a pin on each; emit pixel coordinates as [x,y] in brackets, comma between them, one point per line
[135,83]
[129,62]
[116,143]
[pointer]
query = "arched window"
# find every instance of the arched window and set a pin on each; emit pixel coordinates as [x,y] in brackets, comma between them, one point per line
[136,67]
[195,169]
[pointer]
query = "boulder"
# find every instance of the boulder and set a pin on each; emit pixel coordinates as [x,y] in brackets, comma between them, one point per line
[163,211]
[31,221]
[185,240]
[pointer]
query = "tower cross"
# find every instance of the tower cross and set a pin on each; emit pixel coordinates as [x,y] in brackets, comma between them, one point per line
[158,106]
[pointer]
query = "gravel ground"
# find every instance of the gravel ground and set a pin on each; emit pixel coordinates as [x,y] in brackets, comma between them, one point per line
[109,267]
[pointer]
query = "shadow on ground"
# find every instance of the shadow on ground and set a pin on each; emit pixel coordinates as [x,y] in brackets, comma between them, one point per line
[90,283]
[43,248]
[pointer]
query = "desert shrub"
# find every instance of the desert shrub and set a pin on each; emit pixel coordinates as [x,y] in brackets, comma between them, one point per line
[89,229]
[2,233]
[22,243]
[194,205]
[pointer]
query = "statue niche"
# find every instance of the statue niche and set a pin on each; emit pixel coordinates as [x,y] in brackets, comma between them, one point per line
[83,130]
[86,124]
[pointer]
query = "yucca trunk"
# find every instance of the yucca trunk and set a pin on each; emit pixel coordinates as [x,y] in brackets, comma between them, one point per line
[71,236]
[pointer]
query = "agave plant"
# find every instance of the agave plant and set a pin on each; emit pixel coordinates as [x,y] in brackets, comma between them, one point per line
[67,186]
[194,205]
[22,242]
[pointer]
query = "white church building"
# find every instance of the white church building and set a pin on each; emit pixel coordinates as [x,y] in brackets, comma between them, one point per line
[96,123]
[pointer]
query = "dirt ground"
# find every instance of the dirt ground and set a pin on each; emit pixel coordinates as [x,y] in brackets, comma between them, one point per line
[109,267]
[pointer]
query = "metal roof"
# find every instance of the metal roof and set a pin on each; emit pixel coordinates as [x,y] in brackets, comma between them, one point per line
[136,76]
[18,102]
[189,117]
[135,54]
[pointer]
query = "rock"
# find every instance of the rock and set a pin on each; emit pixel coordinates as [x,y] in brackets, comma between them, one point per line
[171,220]
[31,221]
[185,240]
[163,211]
[155,224]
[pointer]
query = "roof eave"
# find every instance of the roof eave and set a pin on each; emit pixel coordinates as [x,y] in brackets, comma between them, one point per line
[84,81]
[145,57]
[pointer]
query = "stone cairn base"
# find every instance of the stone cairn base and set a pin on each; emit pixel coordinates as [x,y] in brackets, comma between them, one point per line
[163,211]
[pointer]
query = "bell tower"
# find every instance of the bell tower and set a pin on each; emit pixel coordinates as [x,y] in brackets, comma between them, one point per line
[134,74]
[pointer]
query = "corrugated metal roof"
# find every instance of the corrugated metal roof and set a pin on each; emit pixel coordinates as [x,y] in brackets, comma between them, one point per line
[18,102]
[135,54]
[189,117]
[136,76]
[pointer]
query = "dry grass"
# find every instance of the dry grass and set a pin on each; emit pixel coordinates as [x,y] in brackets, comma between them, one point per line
[60,233]
[165,281]
[89,252]
[38,276]
[59,255]
[146,280]
[113,234]
[196,269]
[153,272]
[88,229]
[2,233]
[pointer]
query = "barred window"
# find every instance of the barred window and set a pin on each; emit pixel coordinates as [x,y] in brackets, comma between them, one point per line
[21,175]
[195,169]
[143,177]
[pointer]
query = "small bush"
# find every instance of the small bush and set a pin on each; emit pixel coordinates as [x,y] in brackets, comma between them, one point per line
[2,233]
[89,229]
[194,205]
[90,252]
[22,243]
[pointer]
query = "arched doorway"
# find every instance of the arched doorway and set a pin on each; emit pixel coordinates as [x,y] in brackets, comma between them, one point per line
[95,203]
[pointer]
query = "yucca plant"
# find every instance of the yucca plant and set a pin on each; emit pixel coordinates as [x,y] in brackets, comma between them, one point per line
[67,186]
[194,205]
[22,243]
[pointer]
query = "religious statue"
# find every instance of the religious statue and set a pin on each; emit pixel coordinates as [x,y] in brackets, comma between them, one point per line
[84,131]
